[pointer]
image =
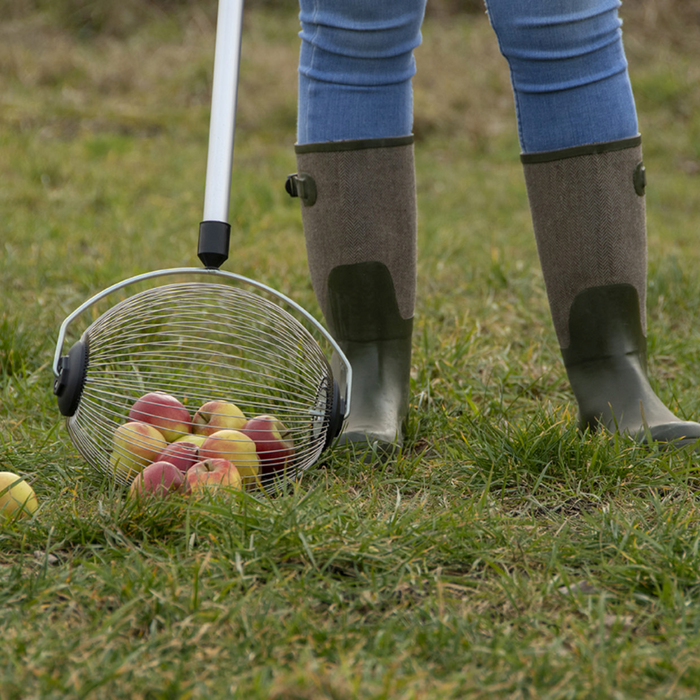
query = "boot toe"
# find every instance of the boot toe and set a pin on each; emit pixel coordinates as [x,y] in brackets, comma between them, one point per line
[370,446]
[676,434]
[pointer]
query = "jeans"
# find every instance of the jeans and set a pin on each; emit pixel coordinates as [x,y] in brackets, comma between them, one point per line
[567,65]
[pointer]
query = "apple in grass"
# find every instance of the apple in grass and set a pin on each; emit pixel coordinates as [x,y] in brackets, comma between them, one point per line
[236,447]
[273,442]
[135,445]
[157,480]
[17,497]
[217,415]
[164,412]
[210,475]
[181,453]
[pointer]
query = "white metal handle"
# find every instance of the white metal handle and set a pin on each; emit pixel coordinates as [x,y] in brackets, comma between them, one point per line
[227,57]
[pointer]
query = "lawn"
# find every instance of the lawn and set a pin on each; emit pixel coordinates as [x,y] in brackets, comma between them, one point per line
[502,554]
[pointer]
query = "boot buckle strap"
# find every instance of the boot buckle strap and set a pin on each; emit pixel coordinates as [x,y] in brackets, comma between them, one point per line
[301,185]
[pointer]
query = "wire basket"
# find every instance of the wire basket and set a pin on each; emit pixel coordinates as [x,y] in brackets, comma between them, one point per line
[180,357]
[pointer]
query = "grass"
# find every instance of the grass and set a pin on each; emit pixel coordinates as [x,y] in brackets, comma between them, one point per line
[502,554]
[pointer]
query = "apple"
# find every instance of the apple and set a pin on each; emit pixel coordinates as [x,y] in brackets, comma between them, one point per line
[158,479]
[273,442]
[236,447]
[212,474]
[164,412]
[217,415]
[17,497]
[194,439]
[182,453]
[135,445]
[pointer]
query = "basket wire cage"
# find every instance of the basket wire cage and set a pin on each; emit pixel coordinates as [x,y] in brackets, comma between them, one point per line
[199,342]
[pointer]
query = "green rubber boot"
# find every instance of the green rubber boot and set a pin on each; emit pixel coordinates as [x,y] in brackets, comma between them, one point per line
[588,213]
[359,214]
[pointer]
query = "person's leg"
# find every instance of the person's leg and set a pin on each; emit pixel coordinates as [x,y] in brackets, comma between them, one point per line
[355,68]
[583,169]
[568,71]
[357,185]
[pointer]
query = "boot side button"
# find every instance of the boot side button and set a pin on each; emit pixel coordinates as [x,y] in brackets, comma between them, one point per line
[640,179]
[301,185]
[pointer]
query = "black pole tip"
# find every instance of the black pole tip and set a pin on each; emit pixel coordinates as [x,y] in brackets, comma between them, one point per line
[213,245]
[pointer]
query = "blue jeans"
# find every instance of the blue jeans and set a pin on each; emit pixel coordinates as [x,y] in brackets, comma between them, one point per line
[567,64]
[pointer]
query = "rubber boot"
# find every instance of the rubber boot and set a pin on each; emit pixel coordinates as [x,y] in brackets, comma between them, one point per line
[588,213]
[359,215]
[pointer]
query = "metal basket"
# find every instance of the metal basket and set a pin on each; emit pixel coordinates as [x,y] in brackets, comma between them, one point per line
[223,338]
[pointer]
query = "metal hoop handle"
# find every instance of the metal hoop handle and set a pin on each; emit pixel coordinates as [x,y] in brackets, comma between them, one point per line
[347,379]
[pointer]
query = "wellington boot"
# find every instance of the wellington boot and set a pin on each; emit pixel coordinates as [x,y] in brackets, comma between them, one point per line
[359,215]
[588,212]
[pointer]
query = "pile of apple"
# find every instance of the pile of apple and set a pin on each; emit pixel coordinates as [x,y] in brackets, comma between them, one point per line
[171,451]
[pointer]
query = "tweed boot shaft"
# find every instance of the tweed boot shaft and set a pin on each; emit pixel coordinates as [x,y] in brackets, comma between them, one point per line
[590,223]
[365,211]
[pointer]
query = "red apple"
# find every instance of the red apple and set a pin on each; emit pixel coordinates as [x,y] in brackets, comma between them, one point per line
[217,415]
[135,445]
[182,453]
[273,442]
[158,479]
[236,447]
[164,412]
[212,474]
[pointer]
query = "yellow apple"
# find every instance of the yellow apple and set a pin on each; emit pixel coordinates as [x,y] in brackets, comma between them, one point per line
[211,474]
[217,415]
[194,439]
[135,445]
[17,497]
[236,447]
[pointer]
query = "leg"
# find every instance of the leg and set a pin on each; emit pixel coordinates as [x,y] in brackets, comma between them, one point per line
[585,180]
[355,68]
[354,151]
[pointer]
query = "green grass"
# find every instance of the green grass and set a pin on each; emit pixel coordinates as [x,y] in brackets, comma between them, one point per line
[502,554]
